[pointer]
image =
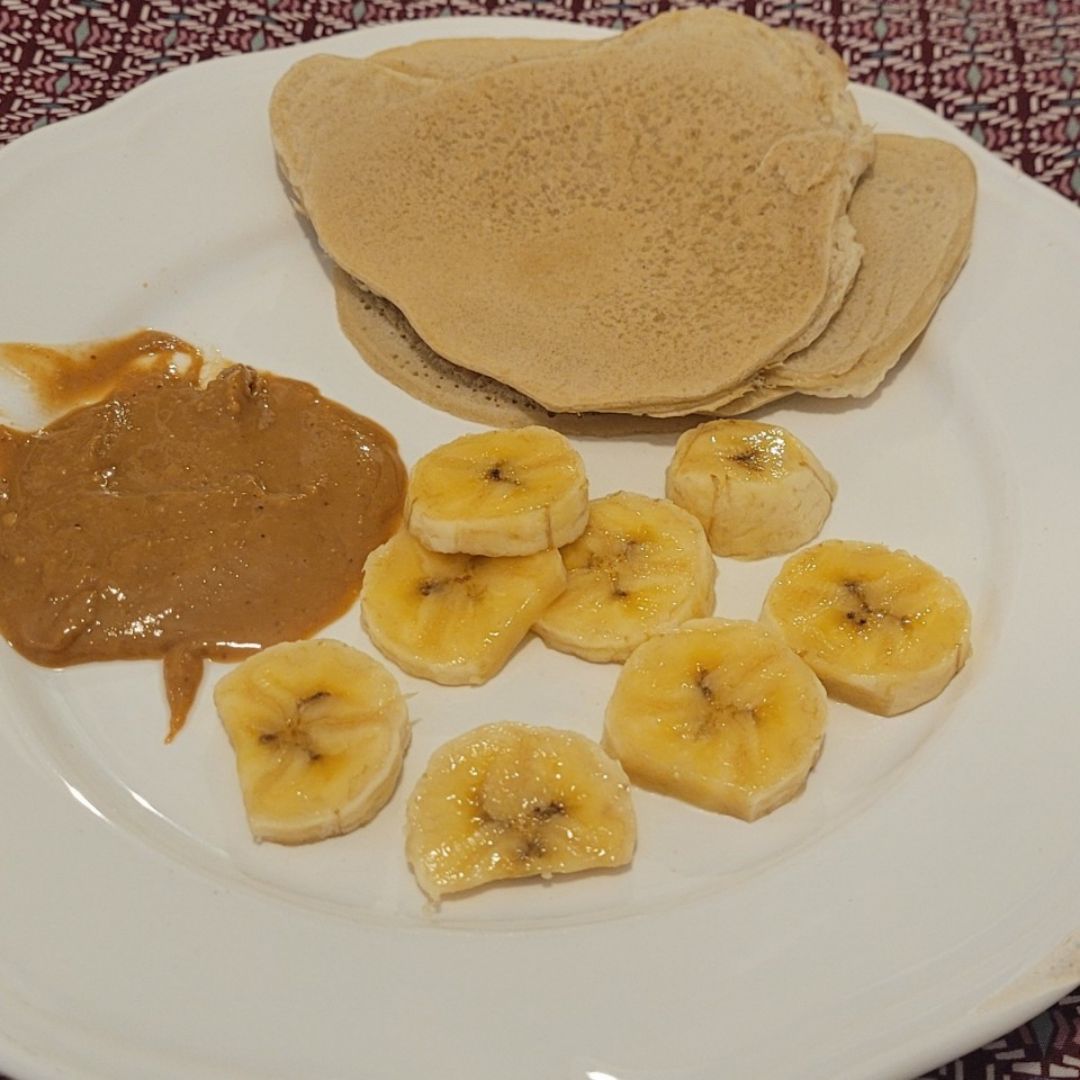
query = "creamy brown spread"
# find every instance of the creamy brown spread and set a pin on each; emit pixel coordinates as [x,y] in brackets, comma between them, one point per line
[168,520]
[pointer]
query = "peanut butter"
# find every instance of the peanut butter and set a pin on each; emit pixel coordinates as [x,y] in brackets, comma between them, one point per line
[171,521]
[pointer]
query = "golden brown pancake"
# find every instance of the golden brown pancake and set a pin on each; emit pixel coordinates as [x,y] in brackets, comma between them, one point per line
[459,58]
[392,348]
[913,212]
[914,209]
[593,228]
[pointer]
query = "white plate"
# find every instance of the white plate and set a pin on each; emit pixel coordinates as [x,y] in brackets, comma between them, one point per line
[919,899]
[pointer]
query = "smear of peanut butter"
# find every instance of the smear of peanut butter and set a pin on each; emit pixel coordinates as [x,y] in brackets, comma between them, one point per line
[170,521]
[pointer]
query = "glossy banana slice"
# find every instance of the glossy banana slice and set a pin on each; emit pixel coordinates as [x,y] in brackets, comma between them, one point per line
[641,566]
[756,488]
[510,801]
[719,713]
[319,730]
[512,492]
[454,619]
[883,630]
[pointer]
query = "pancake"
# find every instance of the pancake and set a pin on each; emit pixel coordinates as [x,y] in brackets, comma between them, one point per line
[913,211]
[584,227]
[454,58]
[460,58]
[393,349]
[914,207]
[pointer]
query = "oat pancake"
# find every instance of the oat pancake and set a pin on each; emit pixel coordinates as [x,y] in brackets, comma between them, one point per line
[593,229]
[452,58]
[914,208]
[459,58]
[392,348]
[913,211]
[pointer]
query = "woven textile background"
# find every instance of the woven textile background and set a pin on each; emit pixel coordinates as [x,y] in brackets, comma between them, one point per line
[1006,71]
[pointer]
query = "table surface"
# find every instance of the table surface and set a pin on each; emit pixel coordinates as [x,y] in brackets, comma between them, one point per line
[1005,71]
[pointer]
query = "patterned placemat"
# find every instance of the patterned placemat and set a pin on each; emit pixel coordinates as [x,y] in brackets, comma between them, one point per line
[1047,1047]
[1005,71]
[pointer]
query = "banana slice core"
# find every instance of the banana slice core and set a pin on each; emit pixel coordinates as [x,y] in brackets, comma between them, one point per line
[510,801]
[642,565]
[719,713]
[499,493]
[453,619]
[756,488]
[883,629]
[319,731]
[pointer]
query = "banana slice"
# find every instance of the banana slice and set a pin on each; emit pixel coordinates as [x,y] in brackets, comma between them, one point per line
[641,566]
[756,488]
[883,630]
[512,492]
[319,730]
[718,713]
[454,619]
[511,801]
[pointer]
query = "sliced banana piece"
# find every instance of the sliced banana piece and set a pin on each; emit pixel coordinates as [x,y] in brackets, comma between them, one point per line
[883,630]
[755,487]
[512,492]
[454,619]
[641,566]
[718,713]
[319,730]
[510,801]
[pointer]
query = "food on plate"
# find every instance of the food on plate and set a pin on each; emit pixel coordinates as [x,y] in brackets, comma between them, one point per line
[912,213]
[756,488]
[633,225]
[510,801]
[178,521]
[642,565]
[320,731]
[454,619]
[882,629]
[458,58]
[391,347]
[513,492]
[62,377]
[718,713]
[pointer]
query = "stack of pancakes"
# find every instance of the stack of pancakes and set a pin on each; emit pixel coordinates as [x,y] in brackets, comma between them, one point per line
[687,219]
